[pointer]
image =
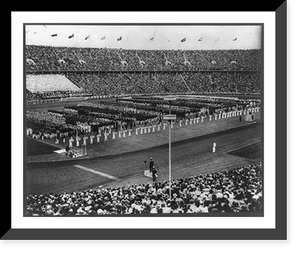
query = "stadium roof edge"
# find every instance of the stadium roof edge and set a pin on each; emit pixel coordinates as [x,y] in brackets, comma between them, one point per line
[106,48]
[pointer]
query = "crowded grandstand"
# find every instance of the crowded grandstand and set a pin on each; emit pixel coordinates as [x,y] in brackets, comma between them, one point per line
[105,72]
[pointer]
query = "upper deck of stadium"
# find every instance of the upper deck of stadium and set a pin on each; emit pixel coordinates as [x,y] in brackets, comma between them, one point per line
[45,59]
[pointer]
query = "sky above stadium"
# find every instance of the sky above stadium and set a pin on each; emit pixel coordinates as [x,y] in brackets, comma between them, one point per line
[151,37]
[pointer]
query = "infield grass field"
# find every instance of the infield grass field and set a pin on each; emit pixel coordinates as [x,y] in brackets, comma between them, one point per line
[120,162]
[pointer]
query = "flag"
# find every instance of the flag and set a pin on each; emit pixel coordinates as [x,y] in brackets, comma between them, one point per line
[151,39]
[54,35]
[118,39]
[45,26]
[200,39]
[87,37]
[71,36]
[183,40]
[103,38]
[30,61]
[235,39]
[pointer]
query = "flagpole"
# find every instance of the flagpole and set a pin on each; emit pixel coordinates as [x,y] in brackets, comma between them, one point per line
[170,167]
[170,117]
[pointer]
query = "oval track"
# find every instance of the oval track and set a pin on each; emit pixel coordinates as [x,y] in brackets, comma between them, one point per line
[63,176]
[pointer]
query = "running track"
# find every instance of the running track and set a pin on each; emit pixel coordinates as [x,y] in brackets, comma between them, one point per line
[74,175]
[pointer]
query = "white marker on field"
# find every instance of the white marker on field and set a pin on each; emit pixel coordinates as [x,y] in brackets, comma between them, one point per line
[96,172]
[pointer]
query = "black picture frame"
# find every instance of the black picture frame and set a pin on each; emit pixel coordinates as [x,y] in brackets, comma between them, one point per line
[278,233]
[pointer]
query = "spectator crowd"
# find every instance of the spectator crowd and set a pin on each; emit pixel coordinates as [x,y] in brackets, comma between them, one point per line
[123,72]
[48,83]
[72,58]
[168,82]
[237,190]
[106,84]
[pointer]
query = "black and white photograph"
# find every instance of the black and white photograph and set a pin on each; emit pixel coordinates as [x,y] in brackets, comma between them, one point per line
[148,125]
[143,119]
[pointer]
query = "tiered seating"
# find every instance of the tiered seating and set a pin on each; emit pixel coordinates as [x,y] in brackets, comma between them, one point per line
[49,83]
[216,71]
[153,83]
[71,58]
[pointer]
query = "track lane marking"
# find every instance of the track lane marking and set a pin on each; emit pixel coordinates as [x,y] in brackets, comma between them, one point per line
[96,172]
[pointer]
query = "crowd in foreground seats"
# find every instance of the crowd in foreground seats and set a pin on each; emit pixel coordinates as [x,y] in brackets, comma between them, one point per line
[72,58]
[238,190]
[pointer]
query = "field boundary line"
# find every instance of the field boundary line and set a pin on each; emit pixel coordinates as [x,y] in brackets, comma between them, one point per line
[96,172]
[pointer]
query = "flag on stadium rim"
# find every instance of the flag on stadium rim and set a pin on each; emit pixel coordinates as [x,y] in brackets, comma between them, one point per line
[152,38]
[71,36]
[54,35]
[183,40]
[87,37]
[103,38]
[235,39]
[200,39]
[118,39]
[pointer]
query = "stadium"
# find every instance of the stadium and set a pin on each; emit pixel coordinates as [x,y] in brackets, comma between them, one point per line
[100,122]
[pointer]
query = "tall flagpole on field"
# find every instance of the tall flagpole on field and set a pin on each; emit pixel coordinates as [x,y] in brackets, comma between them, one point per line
[170,117]
[170,141]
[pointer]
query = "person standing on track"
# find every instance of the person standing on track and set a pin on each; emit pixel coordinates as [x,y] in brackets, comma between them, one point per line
[154,174]
[151,164]
[214,147]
